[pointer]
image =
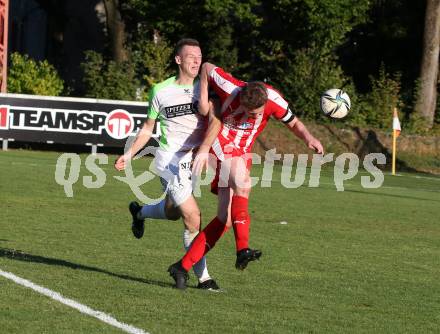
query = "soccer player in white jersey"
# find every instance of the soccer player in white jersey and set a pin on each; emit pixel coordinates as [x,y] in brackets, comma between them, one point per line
[246,109]
[173,103]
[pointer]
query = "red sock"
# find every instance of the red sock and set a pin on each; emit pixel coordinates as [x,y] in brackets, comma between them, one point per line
[240,221]
[204,241]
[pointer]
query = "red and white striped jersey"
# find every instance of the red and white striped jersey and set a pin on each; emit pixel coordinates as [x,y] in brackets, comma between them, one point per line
[238,132]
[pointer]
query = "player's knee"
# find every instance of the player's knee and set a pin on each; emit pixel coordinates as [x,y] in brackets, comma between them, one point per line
[191,219]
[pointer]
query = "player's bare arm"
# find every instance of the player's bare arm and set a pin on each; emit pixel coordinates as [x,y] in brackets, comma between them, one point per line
[204,100]
[142,138]
[300,130]
[214,125]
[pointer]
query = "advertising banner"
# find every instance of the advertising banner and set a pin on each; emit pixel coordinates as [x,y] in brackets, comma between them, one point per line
[76,121]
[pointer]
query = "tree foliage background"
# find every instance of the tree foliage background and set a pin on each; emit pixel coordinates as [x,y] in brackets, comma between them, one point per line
[27,76]
[370,48]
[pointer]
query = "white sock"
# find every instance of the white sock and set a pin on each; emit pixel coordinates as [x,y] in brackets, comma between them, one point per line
[155,211]
[200,268]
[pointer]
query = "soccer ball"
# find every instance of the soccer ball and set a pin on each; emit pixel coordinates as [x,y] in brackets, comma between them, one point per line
[335,103]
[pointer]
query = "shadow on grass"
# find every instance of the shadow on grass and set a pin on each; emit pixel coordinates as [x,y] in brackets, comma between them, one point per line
[391,195]
[21,256]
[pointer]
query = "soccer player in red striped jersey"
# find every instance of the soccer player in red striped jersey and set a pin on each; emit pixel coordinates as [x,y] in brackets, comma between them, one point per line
[245,110]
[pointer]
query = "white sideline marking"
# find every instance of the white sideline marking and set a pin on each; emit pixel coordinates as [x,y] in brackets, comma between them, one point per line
[70,302]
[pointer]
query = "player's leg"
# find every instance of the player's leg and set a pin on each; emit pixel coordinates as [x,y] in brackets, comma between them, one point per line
[209,236]
[204,241]
[224,206]
[240,182]
[171,210]
[161,210]
[164,209]
[190,213]
[181,193]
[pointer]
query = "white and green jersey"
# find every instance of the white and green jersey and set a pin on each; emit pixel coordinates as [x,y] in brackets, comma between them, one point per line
[175,106]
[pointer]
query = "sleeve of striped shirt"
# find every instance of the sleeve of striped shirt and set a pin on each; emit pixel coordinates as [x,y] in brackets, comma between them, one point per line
[279,107]
[223,83]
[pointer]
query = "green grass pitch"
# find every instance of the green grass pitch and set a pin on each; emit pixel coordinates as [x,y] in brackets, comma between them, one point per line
[358,261]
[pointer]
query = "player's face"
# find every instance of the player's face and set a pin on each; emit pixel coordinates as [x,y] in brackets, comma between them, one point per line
[189,60]
[255,113]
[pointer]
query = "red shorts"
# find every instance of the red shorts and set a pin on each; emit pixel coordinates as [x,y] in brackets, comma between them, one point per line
[234,153]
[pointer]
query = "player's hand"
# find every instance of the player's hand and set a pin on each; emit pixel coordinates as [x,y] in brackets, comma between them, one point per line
[121,162]
[315,144]
[201,161]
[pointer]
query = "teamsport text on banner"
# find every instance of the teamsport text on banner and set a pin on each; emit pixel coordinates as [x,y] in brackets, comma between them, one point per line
[76,121]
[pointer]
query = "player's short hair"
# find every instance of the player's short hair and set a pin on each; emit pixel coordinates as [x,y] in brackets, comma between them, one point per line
[185,41]
[253,95]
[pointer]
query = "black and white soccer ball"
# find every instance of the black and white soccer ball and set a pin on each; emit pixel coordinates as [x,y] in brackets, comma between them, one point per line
[335,103]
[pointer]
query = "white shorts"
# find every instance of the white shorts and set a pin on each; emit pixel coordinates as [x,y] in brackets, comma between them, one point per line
[174,169]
